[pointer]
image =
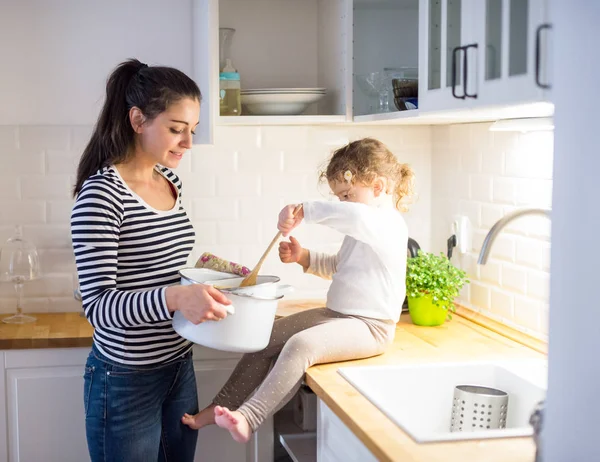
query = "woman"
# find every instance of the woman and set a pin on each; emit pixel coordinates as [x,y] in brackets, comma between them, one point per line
[130,237]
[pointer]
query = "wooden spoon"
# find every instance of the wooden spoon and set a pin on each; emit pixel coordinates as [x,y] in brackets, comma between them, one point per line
[250,280]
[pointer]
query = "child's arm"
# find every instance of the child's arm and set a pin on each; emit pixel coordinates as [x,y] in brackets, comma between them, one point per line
[362,222]
[312,262]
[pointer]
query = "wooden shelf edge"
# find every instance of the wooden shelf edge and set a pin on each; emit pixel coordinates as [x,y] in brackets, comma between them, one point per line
[506,331]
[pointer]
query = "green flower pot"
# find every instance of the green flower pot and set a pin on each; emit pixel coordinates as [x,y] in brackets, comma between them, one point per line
[424,313]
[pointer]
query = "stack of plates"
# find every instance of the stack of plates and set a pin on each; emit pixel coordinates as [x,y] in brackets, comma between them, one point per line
[279,101]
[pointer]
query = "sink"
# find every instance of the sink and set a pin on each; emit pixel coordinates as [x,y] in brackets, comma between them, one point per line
[418,397]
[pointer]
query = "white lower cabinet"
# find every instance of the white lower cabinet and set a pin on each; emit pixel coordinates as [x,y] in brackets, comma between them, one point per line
[336,442]
[42,415]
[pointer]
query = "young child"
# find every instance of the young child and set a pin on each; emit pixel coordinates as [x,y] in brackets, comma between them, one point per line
[364,300]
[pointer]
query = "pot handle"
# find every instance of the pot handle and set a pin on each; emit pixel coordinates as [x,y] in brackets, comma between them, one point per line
[229,308]
[283,289]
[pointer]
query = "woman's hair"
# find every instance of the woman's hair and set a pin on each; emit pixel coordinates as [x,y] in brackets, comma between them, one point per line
[149,88]
[367,159]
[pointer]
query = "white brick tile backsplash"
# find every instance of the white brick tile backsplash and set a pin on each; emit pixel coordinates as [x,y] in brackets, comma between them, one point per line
[22,212]
[519,169]
[504,190]
[546,256]
[8,139]
[49,285]
[534,193]
[514,278]
[527,312]
[529,252]
[234,137]
[307,161]
[481,187]
[470,160]
[215,208]
[10,188]
[480,295]
[49,236]
[43,137]
[266,208]
[24,162]
[502,303]
[46,187]
[490,273]
[238,185]
[260,160]
[504,248]
[279,185]
[538,284]
[53,261]
[206,232]
[64,162]
[490,214]
[279,137]
[207,160]
[493,162]
[238,233]
[59,211]
[195,185]
[79,138]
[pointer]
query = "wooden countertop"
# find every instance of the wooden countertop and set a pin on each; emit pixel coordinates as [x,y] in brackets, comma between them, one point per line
[460,339]
[69,330]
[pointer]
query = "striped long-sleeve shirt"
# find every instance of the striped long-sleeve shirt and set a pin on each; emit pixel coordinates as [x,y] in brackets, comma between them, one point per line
[127,253]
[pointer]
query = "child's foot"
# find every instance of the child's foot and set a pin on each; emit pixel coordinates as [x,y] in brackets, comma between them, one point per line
[205,417]
[235,422]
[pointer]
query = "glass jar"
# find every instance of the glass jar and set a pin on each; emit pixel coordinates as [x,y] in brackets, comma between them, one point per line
[229,94]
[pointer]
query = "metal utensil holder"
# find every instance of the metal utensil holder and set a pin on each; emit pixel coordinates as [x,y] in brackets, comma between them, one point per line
[476,408]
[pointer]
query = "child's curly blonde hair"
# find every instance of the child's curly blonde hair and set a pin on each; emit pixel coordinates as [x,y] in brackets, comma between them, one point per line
[367,159]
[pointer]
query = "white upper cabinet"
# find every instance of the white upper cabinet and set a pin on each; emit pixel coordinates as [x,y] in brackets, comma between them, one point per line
[464,54]
[448,52]
[513,37]
[385,47]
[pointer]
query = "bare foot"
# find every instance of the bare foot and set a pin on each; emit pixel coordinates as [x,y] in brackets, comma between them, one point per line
[205,417]
[235,422]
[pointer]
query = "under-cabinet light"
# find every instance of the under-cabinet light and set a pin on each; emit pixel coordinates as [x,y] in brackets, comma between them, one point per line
[532,124]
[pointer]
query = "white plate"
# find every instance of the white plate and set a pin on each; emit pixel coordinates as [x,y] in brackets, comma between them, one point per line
[284,90]
[279,104]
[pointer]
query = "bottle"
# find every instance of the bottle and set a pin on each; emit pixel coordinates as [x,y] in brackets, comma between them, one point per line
[229,91]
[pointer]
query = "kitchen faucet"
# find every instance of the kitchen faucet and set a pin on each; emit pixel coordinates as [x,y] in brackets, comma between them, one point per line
[536,419]
[499,225]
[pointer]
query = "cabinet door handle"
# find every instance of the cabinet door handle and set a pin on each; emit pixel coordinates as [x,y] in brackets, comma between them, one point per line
[466,69]
[538,55]
[455,52]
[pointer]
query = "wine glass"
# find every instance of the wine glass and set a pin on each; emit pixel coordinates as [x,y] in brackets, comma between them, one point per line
[373,85]
[19,262]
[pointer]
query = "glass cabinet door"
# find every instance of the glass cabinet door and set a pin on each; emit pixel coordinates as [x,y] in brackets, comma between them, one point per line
[513,61]
[444,30]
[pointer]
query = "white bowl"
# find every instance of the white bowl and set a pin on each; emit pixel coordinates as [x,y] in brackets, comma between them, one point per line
[279,103]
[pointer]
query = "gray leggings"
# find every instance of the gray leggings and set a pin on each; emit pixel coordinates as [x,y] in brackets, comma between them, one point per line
[297,342]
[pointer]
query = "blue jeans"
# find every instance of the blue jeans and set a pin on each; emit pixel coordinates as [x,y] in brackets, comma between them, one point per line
[133,413]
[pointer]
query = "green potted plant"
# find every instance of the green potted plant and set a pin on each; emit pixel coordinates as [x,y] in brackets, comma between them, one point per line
[432,284]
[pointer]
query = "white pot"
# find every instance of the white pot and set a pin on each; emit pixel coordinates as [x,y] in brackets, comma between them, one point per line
[247,327]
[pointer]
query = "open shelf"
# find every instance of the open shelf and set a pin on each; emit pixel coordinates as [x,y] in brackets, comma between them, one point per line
[302,447]
[282,120]
[291,44]
[398,116]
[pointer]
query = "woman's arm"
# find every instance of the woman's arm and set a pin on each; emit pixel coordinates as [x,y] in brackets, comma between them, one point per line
[95,229]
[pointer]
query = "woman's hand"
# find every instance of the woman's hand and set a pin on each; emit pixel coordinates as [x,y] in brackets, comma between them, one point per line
[290,252]
[197,302]
[288,220]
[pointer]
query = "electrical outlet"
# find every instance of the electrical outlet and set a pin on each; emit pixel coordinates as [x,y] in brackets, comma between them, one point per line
[461,227]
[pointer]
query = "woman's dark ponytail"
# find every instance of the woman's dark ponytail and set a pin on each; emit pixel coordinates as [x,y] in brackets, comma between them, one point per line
[132,83]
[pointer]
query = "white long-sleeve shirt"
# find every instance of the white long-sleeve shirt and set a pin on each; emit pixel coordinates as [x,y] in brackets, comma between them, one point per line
[369,271]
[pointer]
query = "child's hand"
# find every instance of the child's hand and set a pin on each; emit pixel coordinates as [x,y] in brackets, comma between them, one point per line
[288,220]
[290,252]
